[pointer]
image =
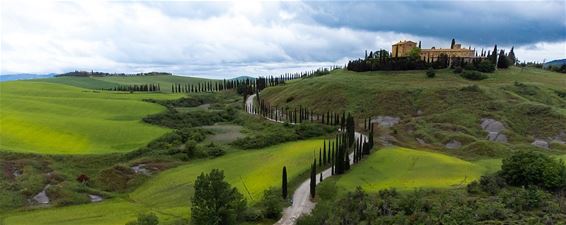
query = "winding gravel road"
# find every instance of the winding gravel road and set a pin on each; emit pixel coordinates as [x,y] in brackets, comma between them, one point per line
[302,203]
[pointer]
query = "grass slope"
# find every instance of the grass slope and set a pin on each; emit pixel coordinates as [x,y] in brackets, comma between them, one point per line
[43,117]
[405,169]
[164,81]
[441,109]
[169,193]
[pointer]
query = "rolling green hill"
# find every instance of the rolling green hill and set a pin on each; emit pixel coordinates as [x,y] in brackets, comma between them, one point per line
[51,118]
[169,193]
[529,102]
[107,82]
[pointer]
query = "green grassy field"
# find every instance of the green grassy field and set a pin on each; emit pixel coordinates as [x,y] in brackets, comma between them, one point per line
[113,81]
[44,117]
[356,88]
[169,193]
[406,169]
[441,109]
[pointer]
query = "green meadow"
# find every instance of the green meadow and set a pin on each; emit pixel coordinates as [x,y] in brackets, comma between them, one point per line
[169,193]
[406,169]
[107,82]
[50,118]
[529,102]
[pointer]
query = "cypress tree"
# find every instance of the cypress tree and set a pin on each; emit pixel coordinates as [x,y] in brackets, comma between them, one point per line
[511,56]
[494,56]
[284,183]
[453,43]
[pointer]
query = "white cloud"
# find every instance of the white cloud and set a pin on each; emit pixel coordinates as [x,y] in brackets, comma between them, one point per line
[250,38]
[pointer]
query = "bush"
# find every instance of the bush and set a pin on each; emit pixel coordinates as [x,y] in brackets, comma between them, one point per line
[458,69]
[271,203]
[145,219]
[430,73]
[530,168]
[491,184]
[522,199]
[214,150]
[486,66]
[473,75]
[473,187]
[253,215]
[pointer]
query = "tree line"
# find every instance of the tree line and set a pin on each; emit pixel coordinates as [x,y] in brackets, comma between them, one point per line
[485,61]
[136,87]
[383,60]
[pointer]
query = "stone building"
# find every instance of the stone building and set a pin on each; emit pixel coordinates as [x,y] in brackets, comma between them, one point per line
[403,48]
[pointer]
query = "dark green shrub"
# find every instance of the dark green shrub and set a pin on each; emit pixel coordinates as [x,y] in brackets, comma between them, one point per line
[486,66]
[458,69]
[145,219]
[491,183]
[521,199]
[430,73]
[473,75]
[253,215]
[271,203]
[214,150]
[473,187]
[530,168]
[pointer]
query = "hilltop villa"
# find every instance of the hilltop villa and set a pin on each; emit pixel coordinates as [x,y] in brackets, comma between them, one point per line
[403,49]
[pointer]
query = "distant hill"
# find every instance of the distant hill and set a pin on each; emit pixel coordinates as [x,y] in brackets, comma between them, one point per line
[558,62]
[104,74]
[24,76]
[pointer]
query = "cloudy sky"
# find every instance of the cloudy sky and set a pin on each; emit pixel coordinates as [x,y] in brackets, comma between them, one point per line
[228,39]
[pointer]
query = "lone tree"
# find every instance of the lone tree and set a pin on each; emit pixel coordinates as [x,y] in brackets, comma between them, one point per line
[453,43]
[215,202]
[284,183]
[313,180]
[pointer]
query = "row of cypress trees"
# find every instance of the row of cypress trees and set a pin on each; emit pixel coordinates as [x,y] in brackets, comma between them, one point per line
[336,154]
[248,85]
[296,115]
[137,87]
[211,86]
